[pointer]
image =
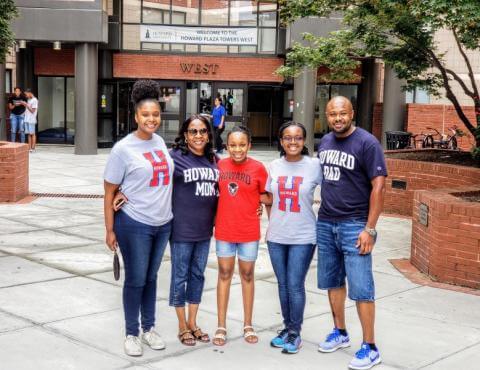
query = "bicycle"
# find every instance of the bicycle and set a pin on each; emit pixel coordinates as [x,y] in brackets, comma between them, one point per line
[446,141]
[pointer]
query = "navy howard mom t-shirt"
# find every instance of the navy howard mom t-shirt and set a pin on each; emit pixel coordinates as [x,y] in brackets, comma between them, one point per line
[349,164]
[195,195]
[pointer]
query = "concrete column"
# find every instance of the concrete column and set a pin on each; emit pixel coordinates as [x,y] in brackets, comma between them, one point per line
[394,107]
[3,100]
[304,95]
[86,87]
[366,95]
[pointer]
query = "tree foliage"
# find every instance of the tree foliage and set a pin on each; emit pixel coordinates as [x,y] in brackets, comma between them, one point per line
[402,33]
[8,12]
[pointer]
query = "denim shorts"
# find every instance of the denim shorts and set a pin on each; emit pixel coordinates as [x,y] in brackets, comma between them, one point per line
[29,128]
[246,251]
[338,257]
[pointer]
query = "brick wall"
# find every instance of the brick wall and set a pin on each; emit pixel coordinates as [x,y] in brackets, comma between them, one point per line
[448,248]
[377,121]
[441,117]
[215,68]
[13,171]
[422,176]
[49,62]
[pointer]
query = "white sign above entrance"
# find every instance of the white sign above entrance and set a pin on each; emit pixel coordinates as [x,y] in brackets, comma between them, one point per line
[198,35]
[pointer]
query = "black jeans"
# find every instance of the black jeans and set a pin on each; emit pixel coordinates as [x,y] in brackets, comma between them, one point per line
[218,137]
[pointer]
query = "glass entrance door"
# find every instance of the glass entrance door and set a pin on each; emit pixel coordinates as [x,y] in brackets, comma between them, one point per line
[172,96]
[234,99]
[126,120]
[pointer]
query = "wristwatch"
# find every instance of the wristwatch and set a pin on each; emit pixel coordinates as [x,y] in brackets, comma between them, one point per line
[371,232]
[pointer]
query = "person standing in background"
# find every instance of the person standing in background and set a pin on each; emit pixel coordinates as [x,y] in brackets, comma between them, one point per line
[16,104]
[218,116]
[30,122]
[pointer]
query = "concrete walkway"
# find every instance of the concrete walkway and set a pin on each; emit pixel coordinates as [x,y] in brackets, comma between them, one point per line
[60,307]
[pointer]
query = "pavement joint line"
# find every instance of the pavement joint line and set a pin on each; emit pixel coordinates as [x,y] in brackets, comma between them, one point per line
[25,255]
[449,355]
[76,340]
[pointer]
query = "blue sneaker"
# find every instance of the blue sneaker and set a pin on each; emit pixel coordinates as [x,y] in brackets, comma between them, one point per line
[334,341]
[279,340]
[365,358]
[292,344]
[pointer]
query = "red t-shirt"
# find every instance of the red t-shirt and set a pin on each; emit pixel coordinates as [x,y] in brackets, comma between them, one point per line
[240,188]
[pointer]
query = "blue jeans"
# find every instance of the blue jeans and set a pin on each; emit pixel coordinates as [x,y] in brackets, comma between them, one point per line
[338,257]
[189,260]
[247,251]
[16,124]
[290,263]
[142,248]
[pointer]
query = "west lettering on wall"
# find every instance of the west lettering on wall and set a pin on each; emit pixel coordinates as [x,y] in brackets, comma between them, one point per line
[198,68]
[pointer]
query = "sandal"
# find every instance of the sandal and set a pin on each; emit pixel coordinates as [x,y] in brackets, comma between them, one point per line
[219,339]
[186,338]
[200,335]
[250,334]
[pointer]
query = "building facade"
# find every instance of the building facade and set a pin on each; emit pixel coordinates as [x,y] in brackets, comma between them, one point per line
[83,56]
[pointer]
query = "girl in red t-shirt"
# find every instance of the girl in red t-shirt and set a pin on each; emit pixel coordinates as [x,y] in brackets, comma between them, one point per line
[237,227]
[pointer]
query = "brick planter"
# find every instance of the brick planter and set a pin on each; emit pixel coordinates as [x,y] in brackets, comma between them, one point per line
[13,171]
[407,176]
[448,247]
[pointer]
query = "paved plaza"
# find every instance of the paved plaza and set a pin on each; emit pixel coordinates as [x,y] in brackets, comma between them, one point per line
[60,307]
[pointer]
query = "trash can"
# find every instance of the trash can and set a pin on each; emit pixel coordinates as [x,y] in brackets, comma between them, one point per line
[397,139]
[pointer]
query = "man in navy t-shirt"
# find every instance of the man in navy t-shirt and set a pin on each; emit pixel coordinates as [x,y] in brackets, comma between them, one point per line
[218,117]
[352,193]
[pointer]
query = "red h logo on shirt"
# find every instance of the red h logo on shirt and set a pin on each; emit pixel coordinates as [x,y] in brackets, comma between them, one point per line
[292,193]
[158,167]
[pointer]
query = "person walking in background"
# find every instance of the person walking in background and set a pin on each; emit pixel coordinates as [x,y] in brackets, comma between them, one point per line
[195,187]
[16,104]
[352,194]
[142,168]
[30,121]
[291,234]
[237,228]
[218,116]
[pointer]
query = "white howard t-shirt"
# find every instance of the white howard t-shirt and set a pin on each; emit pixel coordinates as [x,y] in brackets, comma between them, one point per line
[292,219]
[29,116]
[144,170]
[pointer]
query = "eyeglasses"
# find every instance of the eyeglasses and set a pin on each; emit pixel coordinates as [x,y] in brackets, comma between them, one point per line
[194,131]
[295,139]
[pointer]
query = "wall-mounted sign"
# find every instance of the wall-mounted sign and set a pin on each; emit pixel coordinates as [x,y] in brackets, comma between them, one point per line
[199,68]
[198,35]
[423,214]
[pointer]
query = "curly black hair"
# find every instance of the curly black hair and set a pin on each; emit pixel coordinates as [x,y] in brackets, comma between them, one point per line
[145,90]
[180,143]
[283,127]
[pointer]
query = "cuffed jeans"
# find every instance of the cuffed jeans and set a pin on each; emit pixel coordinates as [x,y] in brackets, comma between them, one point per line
[142,248]
[290,263]
[189,260]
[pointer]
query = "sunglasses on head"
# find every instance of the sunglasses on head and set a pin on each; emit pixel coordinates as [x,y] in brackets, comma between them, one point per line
[194,131]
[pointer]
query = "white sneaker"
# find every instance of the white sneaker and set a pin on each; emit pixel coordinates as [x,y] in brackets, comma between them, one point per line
[153,340]
[133,346]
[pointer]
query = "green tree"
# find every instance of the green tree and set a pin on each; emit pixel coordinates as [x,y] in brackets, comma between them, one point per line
[8,12]
[402,33]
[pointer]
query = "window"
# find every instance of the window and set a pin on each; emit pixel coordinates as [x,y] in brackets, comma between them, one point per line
[260,15]
[8,81]
[419,96]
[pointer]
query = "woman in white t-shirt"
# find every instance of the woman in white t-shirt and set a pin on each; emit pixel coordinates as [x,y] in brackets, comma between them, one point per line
[291,233]
[140,166]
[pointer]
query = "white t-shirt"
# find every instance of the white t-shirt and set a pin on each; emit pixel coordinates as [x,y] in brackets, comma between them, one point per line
[144,170]
[292,219]
[29,116]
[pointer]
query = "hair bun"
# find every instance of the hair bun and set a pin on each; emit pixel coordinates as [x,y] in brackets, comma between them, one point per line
[145,89]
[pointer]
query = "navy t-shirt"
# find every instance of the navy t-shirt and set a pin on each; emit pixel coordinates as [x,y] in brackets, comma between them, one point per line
[195,195]
[349,164]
